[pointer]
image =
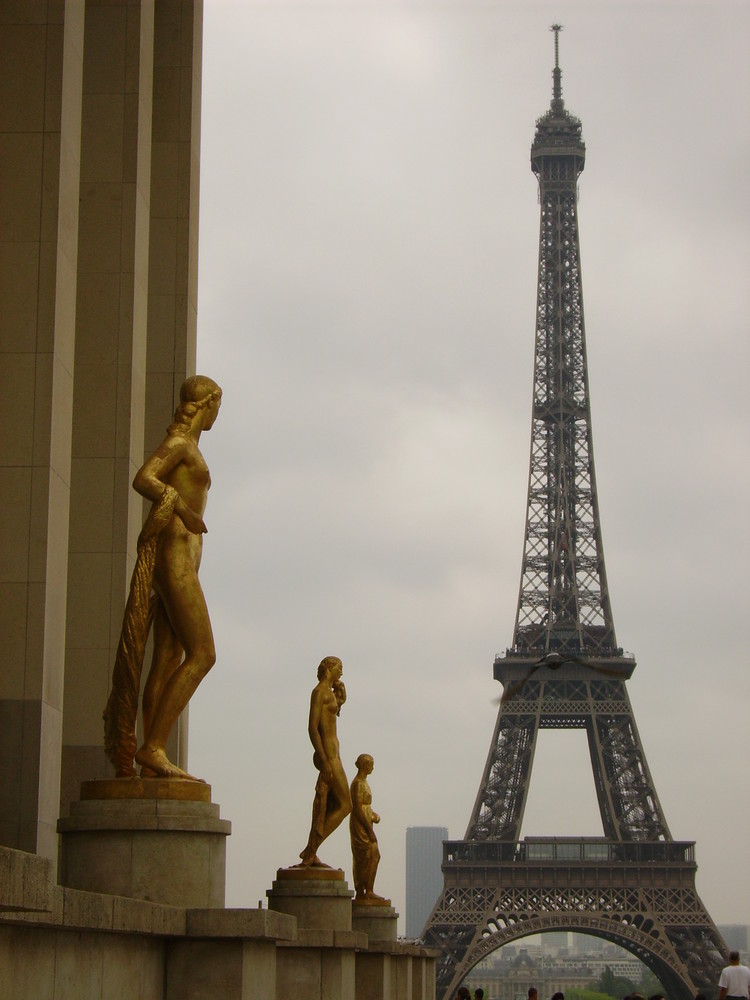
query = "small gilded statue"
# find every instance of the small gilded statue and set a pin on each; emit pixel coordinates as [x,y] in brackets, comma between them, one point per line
[365,852]
[176,481]
[332,802]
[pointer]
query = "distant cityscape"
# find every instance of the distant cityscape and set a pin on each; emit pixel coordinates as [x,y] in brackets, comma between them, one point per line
[569,962]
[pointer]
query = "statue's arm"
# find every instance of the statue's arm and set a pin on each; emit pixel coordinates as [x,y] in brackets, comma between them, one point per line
[151,481]
[359,810]
[313,729]
[339,693]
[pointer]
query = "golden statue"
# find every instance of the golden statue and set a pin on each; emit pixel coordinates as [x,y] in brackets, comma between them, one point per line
[176,480]
[365,852]
[332,802]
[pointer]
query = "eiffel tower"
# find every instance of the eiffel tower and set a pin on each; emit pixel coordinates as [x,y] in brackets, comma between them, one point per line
[635,886]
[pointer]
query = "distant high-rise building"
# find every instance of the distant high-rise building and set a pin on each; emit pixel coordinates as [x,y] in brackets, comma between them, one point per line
[424,879]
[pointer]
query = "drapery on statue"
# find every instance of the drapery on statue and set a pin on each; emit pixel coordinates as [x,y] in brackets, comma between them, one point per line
[365,852]
[176,480]
[332,802]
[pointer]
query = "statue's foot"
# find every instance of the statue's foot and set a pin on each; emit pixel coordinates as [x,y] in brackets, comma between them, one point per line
[154,759]
[371,899]
[311,861]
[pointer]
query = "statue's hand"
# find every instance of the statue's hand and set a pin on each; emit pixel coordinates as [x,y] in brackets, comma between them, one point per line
[340,692]
[192,521]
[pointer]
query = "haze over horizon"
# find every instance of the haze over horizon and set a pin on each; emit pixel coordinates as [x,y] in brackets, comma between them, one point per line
[368,263]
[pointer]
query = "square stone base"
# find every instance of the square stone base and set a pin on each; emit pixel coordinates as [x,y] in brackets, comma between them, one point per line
[378,921]
[143,844]
[319,898]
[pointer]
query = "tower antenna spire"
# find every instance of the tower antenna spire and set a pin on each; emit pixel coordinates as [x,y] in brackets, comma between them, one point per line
[557,72]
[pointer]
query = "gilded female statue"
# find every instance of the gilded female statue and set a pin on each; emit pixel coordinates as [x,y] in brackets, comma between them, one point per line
[176,481]
[365,851]
[332,802]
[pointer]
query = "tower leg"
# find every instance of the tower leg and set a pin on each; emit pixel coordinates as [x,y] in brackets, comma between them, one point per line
[634,887]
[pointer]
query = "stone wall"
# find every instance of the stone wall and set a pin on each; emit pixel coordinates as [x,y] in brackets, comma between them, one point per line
[58,943]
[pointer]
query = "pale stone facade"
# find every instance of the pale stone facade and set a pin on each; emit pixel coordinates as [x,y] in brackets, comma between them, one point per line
[99,159]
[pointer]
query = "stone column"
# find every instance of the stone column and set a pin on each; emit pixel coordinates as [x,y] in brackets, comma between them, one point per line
[41,62]
[108,405]
[136,326]
[173,245]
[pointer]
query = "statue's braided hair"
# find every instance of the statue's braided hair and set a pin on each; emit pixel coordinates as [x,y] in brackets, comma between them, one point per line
[196,393]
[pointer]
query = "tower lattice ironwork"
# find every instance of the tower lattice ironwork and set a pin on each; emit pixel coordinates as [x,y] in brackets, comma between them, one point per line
[636,885]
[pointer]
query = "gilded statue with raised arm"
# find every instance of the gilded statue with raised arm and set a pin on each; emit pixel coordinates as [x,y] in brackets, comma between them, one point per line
[165,594]
[332,802]
[365,851]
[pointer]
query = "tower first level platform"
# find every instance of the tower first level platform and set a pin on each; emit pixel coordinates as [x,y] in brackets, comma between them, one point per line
[640,896]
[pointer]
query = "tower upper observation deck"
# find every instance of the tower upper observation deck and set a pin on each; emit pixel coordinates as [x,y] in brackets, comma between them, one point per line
[558,132]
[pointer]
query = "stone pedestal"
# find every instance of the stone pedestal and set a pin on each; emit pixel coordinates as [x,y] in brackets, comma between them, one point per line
[377,920]
[319,898]
[344,950]
[320,963]
[155,839]
[378,968]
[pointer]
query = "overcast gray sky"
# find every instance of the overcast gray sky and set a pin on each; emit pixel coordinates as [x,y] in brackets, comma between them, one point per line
[369,226]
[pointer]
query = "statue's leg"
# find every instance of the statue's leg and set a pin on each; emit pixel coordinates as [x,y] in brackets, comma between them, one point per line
[185,605]
[320,804]
[372,868]
[339,801]
[168,654]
